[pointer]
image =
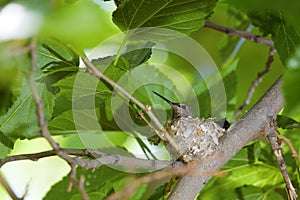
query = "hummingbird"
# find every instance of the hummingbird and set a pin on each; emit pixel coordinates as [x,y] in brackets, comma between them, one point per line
[193,137]
[181,110]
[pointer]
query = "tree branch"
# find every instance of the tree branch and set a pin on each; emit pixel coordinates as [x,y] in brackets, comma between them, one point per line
[9,189]
[100,159]
[238,135]
[271,135]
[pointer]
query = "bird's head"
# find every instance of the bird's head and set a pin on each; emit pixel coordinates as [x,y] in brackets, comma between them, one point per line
[179,109]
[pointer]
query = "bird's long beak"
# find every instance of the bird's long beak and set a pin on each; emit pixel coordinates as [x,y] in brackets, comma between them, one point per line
[165,99]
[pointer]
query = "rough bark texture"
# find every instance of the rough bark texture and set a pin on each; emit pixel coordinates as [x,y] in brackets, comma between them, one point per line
[251,125]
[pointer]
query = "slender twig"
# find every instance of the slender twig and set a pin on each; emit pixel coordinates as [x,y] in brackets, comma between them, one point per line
[73,179]
[254,38]
[255,83]
[290,145]
[81,188]
[148,123]
[271,135]
[79,184]
[8,188]
[244,34]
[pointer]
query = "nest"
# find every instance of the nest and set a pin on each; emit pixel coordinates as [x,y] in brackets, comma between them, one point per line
[194,138]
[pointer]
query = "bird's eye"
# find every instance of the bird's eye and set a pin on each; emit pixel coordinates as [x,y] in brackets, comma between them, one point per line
[183,106]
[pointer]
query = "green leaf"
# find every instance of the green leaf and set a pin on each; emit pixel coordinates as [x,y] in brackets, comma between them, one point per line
[285,122]
[82,87]
[277,18]
[158,194]
[21,119]
[87,127]
[63,122]
[247,155]
[286,37]
[4,150]
[6,140]
[259,176]
[139,191]
[56,61]
[98,183]
[138,54]
[248,176]
[135,55]
[54,52]
[181,15]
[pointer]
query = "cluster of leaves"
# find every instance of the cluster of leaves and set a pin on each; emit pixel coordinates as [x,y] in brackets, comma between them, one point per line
[250,173]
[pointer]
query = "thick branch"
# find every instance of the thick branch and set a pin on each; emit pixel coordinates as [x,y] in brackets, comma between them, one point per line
[239,134]
[99,159]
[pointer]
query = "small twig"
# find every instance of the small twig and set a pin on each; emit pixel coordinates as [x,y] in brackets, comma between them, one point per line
[8,188]
[185,170]
[244,34]
[290,145]
[271,135]
[81,188]
[255,83]
[254,38]
[79,184]
[148,123]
